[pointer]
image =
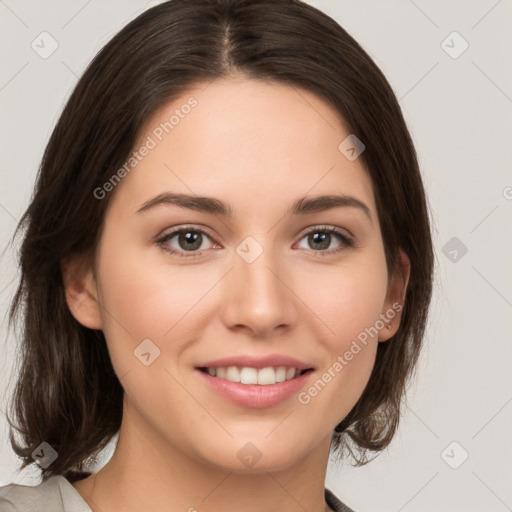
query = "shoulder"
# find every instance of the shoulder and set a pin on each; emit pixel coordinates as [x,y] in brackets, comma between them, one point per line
[21,498]
[335,503]
[55,494]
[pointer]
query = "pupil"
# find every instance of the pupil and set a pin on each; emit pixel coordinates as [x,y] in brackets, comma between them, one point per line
[192,238]
[322,238]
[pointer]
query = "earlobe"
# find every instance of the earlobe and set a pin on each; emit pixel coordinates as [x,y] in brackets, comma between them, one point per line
[395,299]
[81,293]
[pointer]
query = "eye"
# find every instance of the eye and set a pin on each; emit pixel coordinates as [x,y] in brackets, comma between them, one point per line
[187,240]
[320,238]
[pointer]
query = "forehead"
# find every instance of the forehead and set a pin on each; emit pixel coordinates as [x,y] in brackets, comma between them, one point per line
[235,136]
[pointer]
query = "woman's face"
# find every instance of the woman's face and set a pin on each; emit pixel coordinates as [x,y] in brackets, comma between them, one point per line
[268,286]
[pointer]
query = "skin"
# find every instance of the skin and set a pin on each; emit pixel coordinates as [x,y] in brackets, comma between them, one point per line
[257,146]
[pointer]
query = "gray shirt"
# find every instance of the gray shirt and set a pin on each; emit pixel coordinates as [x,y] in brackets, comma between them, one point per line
[56,494]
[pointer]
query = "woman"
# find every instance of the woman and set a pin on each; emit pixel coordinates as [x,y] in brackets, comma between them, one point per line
[227,261]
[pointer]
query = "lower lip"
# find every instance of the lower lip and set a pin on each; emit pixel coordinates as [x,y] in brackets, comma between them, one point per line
[254,395]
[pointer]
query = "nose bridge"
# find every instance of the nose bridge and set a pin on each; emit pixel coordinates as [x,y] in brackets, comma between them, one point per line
[257,296]
[257,265]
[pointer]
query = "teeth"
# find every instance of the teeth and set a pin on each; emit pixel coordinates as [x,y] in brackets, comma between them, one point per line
[267,376]
[249,376]
[232,374]
[246,375]
[290,373]
[281,374]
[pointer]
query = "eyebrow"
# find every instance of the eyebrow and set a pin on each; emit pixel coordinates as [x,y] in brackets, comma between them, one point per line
[214,206]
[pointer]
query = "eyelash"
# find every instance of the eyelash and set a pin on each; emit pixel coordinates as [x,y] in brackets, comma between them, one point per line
[347,242]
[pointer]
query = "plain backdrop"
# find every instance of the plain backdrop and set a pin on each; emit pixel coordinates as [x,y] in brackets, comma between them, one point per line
[453,450]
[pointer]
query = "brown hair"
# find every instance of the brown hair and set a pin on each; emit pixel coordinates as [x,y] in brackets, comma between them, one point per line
[67,393]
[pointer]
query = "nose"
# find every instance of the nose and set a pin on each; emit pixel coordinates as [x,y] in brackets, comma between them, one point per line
[258,298]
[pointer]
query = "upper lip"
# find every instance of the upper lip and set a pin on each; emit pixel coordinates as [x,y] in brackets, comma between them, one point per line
[274,360]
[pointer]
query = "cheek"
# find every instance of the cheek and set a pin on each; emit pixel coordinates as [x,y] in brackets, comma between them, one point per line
[141,287]
[348,299]
[144,297]
[147,300]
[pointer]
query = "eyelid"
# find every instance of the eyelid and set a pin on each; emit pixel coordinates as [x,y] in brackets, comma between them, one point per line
[326,227]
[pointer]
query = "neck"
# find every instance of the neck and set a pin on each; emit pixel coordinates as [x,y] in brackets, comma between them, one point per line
[146,472]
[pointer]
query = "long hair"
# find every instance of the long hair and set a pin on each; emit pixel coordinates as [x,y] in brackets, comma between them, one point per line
[67,393]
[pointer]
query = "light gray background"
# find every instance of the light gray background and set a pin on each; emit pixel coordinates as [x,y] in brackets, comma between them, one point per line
[459,113]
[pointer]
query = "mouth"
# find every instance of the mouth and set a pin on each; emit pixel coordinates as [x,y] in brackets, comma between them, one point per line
[267,376]
[255,388]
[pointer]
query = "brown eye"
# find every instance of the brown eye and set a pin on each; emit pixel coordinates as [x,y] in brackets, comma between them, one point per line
[320,239]
[185,240]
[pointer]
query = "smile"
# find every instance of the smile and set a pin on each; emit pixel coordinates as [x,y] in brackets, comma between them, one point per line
[248,375]
[254,388]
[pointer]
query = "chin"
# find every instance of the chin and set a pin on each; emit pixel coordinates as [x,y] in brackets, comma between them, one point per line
[254,457]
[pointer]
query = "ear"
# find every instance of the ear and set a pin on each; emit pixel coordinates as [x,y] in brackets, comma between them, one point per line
[395,298]
[81,292]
